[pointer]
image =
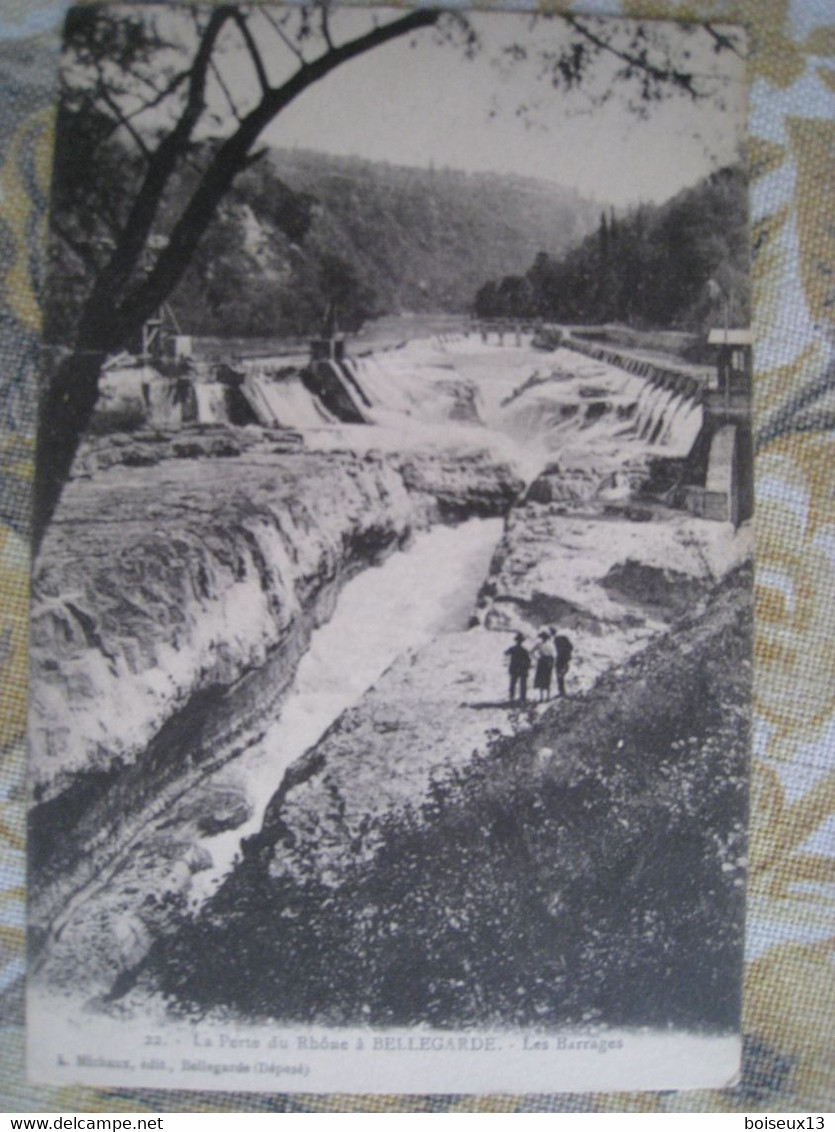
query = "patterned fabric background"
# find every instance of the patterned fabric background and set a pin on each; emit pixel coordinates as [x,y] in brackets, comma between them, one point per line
[789,989]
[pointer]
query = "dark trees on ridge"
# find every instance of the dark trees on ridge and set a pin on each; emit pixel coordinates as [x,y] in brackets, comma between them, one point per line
[653,267]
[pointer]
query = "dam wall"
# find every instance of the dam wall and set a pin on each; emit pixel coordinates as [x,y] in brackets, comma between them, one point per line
[667,376]
[410,378]
[185,574]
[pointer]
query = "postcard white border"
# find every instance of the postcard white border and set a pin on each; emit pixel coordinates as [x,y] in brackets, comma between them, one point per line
[278,1058]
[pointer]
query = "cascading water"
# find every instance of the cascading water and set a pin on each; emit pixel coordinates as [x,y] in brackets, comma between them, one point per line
[647,417]
[377,382]
[285,402]
[675,409]
[386,611]
[211,403]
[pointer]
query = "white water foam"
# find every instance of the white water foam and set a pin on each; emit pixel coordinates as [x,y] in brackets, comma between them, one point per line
[415,595]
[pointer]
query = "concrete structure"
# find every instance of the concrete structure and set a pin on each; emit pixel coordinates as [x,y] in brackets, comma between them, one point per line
[734,359]
[327,349]
[724,457]
[684,379]
[717,481]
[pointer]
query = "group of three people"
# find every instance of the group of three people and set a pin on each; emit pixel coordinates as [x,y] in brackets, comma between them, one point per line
[552,652]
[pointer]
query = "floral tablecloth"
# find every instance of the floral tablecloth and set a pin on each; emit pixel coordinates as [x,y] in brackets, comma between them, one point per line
[789,1003]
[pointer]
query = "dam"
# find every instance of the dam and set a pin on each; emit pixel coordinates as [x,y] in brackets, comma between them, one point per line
[424,591]
[193,572]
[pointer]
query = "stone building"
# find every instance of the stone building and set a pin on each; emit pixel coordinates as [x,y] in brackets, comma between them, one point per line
[725,488]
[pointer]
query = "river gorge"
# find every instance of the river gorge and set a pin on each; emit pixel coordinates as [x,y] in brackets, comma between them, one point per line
[269,680]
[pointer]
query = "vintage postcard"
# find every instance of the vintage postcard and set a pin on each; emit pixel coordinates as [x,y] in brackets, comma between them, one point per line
[391,612]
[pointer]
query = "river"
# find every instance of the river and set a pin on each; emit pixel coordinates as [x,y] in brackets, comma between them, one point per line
[413,596]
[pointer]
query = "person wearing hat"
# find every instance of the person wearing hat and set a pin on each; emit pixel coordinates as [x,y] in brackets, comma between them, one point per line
[520,663]
[545,654]
[563,649]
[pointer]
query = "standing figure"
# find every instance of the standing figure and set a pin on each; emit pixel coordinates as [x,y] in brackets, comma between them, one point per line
[520,662]
[545,654]
[563,649]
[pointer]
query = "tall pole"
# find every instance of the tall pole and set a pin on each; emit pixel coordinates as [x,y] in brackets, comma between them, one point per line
[728,354]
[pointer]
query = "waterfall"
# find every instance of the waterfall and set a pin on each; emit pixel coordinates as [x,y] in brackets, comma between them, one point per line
[678,404]
[415,595]
[285,402]
[211,402]
[380,385]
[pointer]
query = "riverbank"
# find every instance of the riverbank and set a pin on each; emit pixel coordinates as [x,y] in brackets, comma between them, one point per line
[424,592]
[587,869]
[185,578]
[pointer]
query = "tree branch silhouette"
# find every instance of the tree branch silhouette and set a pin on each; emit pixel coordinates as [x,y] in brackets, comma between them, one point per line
[130,286]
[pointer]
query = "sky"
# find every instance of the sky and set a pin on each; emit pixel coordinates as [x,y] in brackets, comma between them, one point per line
[419,103]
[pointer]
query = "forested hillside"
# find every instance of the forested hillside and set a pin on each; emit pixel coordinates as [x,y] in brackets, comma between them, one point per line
[302,235]
[676,265]
[301,232]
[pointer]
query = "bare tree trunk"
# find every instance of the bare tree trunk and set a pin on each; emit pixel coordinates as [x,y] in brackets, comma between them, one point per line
[65,413]
[115,309]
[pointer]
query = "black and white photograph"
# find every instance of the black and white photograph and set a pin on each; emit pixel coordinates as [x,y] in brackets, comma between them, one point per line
[391,616]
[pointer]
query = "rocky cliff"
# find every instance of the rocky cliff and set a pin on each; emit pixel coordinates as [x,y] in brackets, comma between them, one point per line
[181,581]
[613,584]
[174,598]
